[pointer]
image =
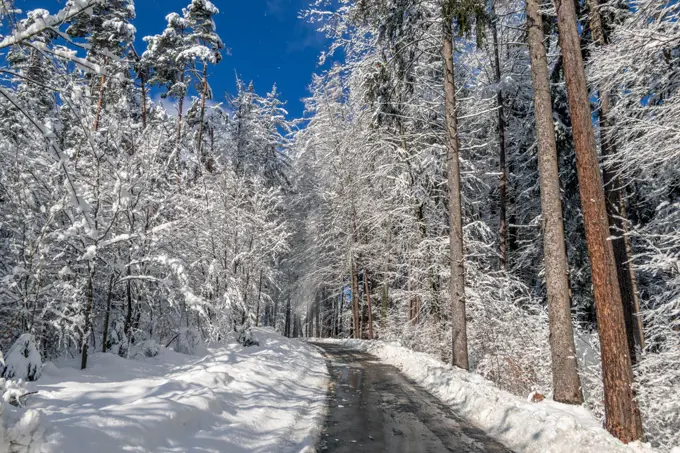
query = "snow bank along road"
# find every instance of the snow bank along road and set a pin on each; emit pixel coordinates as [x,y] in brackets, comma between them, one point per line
[373,408]
[268,398]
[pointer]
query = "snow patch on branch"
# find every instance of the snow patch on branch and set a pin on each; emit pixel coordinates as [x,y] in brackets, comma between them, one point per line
[44,23]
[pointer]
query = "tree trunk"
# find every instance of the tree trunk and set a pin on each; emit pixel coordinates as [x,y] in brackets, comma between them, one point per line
[128,315]
[341,306]
[362,315]
[329,316]
[100,100]
[297,326]
[244,316]
[317,313]
[368,302]
[272,312]
[294,321]
[259,298]
[95,125]
[355,302]
[204,94]
[622,417]
[457,282]
[87,325]
[179,132]
[286,328]
[614,192]
[144,108]
[503,183]
[107,316]
[311,315]
[383,306]
[566,381]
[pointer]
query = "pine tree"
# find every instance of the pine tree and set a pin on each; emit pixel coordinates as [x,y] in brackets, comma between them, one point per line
[161,60]
[457,282]
[622,415]
[109,33]
[262,135]
[206,49]
[502,151]
[566,382]
[464,14]
[616,209]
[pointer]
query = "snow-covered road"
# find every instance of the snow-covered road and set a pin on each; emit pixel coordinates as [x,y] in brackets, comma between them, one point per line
[373,407]
[268,398]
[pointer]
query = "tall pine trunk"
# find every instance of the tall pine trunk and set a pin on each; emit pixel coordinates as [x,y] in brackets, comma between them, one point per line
[622,417]
[503,182]
[618,223]
[457,281]
[566,382]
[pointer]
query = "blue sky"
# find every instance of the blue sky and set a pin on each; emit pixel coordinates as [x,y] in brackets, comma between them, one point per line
[268,43]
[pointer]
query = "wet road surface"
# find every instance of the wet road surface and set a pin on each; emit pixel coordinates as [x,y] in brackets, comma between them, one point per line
[374,408]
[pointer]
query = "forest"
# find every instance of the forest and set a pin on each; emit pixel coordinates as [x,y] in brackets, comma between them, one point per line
[496,183]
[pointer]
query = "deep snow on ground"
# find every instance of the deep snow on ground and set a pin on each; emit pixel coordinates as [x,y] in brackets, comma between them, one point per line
[523,426]
[267,398]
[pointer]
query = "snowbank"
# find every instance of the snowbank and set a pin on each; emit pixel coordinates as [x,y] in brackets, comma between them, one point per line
[269,398]
[523,426]
[20,428]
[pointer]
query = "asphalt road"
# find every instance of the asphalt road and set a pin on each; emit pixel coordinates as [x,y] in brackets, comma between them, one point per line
[374,408]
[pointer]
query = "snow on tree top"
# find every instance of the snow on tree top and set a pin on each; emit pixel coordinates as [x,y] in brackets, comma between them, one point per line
[198,52]
[207,5]
[175,20]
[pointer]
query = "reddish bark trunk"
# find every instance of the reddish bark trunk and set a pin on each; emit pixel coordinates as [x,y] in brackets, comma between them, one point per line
[621,412]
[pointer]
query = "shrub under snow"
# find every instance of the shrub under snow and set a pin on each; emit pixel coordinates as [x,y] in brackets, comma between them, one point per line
[246,338]
[23,360]
[147,348]
[190,341]
[117,340]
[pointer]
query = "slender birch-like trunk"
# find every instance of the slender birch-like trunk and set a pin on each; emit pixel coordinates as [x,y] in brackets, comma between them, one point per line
[368,301]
